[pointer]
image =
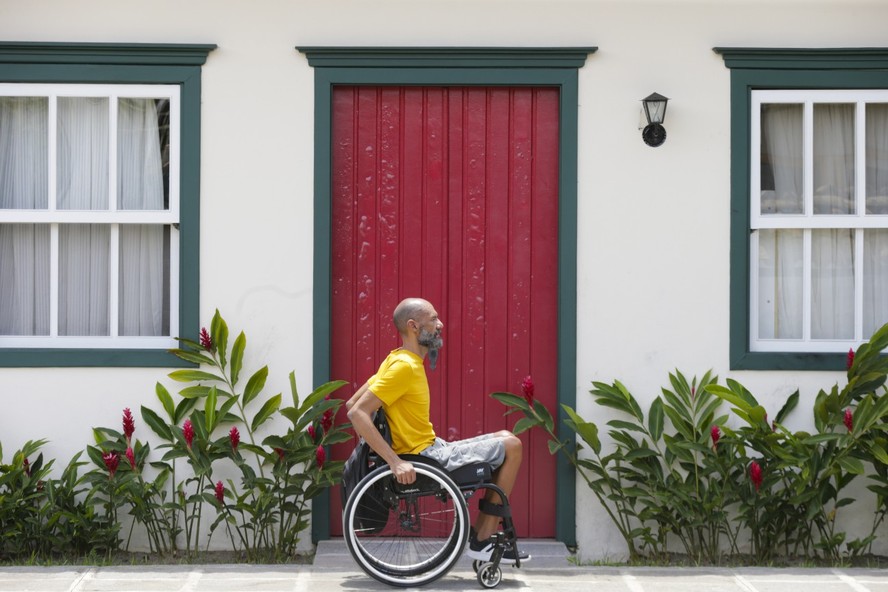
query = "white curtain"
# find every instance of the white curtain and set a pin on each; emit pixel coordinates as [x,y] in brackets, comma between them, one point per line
[832,250]
[875,244]
[82,155]
[84,249]
[780,251]
[140,187]
[24,248]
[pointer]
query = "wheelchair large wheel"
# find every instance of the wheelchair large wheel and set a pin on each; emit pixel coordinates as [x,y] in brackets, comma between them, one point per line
[406,535]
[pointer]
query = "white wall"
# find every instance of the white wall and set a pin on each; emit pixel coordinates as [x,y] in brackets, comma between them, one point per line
[653,223]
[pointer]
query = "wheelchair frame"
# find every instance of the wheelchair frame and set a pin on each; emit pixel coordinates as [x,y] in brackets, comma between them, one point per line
[411,535]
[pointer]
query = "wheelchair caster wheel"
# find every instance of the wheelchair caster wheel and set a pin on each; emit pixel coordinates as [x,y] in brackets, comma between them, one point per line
[489,576]
[476,565]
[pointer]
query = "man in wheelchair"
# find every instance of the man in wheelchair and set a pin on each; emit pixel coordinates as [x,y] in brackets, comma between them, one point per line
[401,387]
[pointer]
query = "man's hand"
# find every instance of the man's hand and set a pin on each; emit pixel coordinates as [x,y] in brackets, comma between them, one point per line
[403,472]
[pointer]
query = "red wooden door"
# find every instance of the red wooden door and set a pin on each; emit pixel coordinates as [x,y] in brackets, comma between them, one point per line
[451,194]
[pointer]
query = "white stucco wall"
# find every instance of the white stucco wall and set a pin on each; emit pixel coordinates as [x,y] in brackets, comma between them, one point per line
[653,223]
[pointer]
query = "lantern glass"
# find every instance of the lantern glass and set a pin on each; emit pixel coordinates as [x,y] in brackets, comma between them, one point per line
[655,108]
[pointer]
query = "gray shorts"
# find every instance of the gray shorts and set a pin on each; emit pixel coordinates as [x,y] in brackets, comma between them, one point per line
[486,448]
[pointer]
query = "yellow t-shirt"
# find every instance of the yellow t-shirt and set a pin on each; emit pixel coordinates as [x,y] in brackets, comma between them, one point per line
[402,386]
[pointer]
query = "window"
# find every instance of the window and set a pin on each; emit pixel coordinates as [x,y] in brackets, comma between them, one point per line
[88,215]
[809,228]
[98,203]
[819,219]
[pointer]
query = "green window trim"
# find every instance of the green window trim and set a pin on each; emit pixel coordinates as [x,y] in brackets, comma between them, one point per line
[779,68]
[431,66]
[103,63]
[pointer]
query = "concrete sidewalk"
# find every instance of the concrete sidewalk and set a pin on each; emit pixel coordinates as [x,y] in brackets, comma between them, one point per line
[334,570]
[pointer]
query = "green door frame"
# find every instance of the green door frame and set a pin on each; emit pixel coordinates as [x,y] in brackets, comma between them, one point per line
[455,67]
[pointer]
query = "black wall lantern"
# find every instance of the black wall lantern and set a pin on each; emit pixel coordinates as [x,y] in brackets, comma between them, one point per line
[654,134]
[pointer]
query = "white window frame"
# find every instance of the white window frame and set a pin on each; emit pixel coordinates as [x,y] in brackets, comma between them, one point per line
[808,221]
[112,216]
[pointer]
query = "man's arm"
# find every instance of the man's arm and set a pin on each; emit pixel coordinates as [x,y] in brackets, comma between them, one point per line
[354,398]
[361,408]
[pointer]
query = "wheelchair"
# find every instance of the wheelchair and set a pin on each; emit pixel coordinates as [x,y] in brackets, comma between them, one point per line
[411,535]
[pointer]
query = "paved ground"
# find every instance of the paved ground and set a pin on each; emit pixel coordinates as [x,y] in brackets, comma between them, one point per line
[334,570]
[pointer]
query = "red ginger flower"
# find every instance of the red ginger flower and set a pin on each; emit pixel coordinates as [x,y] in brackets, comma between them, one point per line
[527,388]
[131,457]
[234,438]
[715,434]
[188,432]
[26,465]
[849,420]
[850,361]
[129,424]
[220,492]
[320,456]
[206,341]
[312,433]
[755,474]
[327,420]
[280,453]
[111,460]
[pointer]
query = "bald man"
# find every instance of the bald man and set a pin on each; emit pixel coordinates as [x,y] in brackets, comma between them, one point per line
[401,388]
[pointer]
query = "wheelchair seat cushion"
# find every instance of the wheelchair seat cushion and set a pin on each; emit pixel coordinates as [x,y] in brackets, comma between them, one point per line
[471,474]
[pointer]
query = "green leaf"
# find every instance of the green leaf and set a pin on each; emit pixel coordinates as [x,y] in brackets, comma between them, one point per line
[255,385]
[183,409]
[524,424]
[655,419]
[626,425]
[852,465]
[555,446]
[587,431]
[790,404]
[320,393]
[730,396]
[510,400]
[758,414]
[544,415]
[166,400]
[194,357]
[195,392]
[237,356]
[267,410]
[219,333]
[224,415]
[293,391]
[210,410]
[157,425]
[879,452]
[192,375]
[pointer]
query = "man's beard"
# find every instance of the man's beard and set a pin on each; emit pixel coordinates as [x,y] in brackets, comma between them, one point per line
[433,342]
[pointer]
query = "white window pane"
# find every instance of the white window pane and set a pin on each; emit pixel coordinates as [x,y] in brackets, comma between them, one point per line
[83,153]
[143,147]
[832,284]
[24,155]
[833,159]
[780,284]
[24,279]
[781,159]
[875,280]
[83,279]
[144,284]
[877,158]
